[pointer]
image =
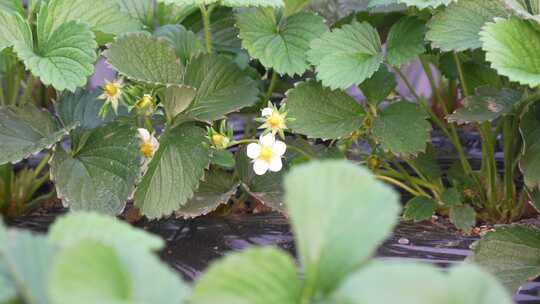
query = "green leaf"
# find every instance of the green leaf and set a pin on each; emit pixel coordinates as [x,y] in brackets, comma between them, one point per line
[231,3]
[74,227]
[457,27]
[28,259]
[255,276]
[513,48]
[379,86]
[322,113]
[487,104]
[176,99]
[451,197]
[26,130]
[268,189]
[511,253]
[464,284]
[419,209]
[428,165]
[100,175]
[14,30]
[141,10]
[326,201]
[463,216]
[530,160]
[8,291]
[294,6]
[223,158]
[81,109]
[216,189]
[405,41]
[64,58]
[402,129]
[347,56]
[174,172]
[101,15]
[222,87]
[421,4]
[141,57]
[524,8]
[185,43]
[92,272]
[277,42]
[12,6]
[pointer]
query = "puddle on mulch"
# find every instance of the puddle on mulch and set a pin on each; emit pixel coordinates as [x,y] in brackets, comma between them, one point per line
[193,244]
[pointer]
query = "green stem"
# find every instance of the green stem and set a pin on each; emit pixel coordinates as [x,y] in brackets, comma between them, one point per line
[434,88]
[42,165]
[205,13]
[19,75]
[464,86]
[399,184]
[408,178]
[272,86]
[27,90]
[509,142]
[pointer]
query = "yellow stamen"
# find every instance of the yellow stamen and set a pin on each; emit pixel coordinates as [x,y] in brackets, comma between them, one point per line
[147,149]
[266,154]
[144,102]
[275,121]
[218,139]
[111,89]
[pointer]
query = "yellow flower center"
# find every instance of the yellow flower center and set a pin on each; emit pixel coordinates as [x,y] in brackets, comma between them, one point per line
[219,140]
[144,102]
[147,149]
[266,154]
[111,89]
[275,121]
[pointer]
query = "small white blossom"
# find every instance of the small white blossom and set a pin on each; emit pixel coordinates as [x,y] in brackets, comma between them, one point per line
[149,143]
[274,119]
[112,90]
[266,154]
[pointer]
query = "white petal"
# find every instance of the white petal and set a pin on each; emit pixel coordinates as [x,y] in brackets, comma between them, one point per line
[143,134]
[267,111]
[279,148]
[155,143]
[260,167]
[276,164]
[267,140]
[253,151]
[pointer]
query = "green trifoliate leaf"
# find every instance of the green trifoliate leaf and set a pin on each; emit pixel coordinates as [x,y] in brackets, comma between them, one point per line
[81,109]
[524,8]
[255,276]
[26,130]
[405,41]
[278,42]
[185,43]
[216,189]
[419,209]
[64,58]
[513,48]
[487,104]
[141,57]
[379,86]
[174,172]
[402,129]
[326,200]
[463,216]
[322,113]
[231,3]
[426,3]
[346,56]
[510,253]
[176,99]
[14,30]
[530,160]
[78,226]
[92,272]
[457,27]
[464,284]
[100,175]
[102,16]
[222,87]
[141,10]
[28,260]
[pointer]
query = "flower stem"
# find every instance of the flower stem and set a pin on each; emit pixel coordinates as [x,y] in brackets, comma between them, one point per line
[399,184]
[205,13]
[272,86]
[28,89]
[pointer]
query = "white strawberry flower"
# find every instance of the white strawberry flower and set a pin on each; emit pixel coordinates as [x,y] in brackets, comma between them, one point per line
[149,143]
[266,154]
[112,90]
[274,119]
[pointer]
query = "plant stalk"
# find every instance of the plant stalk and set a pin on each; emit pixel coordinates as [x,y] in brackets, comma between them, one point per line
[205,13]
